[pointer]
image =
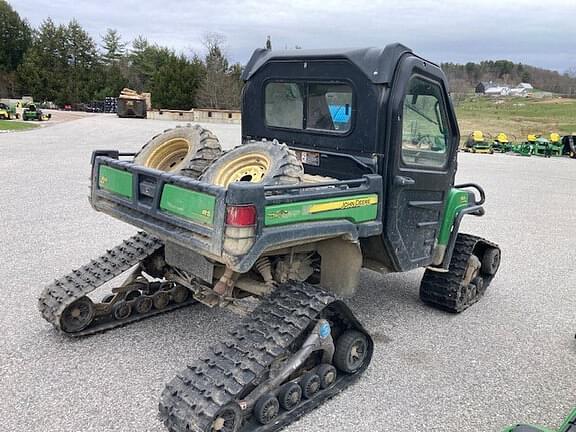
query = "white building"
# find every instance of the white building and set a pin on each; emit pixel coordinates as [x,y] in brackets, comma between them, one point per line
[497,91]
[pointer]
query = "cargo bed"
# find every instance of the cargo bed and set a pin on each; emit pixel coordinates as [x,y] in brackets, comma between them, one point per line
[235,225]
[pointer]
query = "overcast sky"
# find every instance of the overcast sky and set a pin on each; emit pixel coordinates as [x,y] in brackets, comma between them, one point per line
[536,32]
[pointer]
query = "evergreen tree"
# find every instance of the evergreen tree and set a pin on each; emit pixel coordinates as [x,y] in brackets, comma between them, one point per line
[16,37]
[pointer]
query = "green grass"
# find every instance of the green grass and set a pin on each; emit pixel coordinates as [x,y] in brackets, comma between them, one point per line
[12,125]
[516,117]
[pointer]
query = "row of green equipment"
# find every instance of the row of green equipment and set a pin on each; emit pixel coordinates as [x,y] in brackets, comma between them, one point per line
[26,111]
[555,145]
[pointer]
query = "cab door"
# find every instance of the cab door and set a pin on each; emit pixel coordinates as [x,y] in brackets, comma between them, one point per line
[423,139]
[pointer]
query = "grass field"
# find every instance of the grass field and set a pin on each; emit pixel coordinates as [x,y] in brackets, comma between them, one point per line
[516,117]
[11,125]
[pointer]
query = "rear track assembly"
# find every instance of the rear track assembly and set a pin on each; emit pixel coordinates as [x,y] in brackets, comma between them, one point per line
[298,348]
[64,302]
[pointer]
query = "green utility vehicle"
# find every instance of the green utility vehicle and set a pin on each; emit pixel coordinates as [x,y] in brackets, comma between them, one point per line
[569,425]
[289,224]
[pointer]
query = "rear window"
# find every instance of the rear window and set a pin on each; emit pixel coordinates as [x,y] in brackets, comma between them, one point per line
[315,106]
[284,105]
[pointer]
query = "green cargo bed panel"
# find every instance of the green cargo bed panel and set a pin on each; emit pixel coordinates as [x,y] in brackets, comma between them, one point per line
[359,208]
[196,206]
[116,181]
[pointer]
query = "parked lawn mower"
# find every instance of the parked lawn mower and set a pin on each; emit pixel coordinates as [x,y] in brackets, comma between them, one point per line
[569,425]
[556,144]
[525,148]
[6,112]
[502,144]
[31,112]
[478,143]
[542,147]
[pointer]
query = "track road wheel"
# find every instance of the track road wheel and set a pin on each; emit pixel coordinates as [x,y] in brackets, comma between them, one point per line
[351,351]
[187,150]
[266,409]
[78,315]
[310,384]
[228,419]
[265,162]
[161,299]
[121,310]
[180,294]
[327,374]
[290,395]
[143,304]
[491,261]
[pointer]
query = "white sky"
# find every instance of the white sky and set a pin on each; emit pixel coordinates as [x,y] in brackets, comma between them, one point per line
[541,33]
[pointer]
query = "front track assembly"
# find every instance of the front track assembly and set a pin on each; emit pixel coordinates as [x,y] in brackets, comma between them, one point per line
[298,348]
[65,303]
[474,263]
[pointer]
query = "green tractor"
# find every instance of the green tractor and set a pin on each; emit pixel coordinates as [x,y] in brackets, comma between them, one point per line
[477,142]
[32,112]
[288,227]
[569,425]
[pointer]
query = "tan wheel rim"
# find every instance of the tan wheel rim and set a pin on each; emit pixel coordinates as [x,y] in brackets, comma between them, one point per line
[251,168]
[168,155]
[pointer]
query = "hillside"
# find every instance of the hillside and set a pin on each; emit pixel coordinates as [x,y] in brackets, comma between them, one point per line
[516,116]
[463,78]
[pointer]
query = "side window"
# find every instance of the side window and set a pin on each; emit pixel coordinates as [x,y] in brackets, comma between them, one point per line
[284,105]
[329,107]
[424,125]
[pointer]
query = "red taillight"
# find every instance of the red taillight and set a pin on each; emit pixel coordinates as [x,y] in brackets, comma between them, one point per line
[241,216]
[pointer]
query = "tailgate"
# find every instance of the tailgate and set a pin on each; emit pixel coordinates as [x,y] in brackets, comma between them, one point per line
[192,213]
[170,206]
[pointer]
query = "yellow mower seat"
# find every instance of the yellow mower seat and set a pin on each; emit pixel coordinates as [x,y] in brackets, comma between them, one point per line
[478,136]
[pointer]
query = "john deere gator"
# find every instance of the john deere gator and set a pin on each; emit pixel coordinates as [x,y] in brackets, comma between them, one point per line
[287,219]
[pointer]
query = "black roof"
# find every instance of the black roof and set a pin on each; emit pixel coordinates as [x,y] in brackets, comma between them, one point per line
[378,64]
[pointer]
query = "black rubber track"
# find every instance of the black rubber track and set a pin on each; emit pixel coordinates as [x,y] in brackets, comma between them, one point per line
[230,370]
[64,291]
[444,290]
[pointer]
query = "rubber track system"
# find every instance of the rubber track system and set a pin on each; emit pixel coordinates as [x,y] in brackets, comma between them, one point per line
[445,290]
[64,291]
[231,369]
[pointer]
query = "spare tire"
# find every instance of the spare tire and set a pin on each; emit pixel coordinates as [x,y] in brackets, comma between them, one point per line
[187,150]
[265,162]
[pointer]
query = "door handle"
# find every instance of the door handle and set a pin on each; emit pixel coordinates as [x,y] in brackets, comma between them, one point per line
[403,181]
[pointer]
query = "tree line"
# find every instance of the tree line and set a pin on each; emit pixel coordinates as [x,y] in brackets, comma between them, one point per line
[464,77]
[63,64]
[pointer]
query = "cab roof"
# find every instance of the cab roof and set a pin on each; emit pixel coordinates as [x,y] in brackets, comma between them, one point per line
[378,64]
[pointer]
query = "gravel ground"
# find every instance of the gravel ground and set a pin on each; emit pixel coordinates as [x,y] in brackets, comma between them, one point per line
[510,357]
